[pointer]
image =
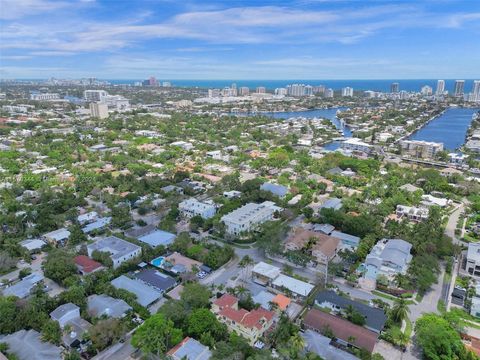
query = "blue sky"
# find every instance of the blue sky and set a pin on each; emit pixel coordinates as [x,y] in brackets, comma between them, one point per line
[236,39]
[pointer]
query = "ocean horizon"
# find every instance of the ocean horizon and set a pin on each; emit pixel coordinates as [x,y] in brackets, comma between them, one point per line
[361,85]
[374,85]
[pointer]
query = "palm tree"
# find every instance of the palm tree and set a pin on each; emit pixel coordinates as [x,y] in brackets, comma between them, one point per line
[245,264]
[241,292]
[400,310]
[297,344]
[349,312]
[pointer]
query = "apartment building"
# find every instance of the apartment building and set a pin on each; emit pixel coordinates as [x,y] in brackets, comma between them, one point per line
[420,149]
[192,207]
[248,217]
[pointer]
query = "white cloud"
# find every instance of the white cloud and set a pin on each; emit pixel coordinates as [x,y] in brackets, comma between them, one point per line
[14,9]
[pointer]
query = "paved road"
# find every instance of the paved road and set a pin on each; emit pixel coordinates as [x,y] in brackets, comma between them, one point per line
[36,265]
[452,223]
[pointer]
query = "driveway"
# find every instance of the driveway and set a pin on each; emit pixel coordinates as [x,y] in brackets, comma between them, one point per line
[452,223]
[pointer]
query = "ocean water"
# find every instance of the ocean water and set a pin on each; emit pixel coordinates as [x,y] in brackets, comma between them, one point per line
[374,85]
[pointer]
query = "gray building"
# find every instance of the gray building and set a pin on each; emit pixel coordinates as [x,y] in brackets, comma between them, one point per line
[119,250]
[27,345]
[98,305]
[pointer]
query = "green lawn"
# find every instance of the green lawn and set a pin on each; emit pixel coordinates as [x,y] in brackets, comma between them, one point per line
[390,297]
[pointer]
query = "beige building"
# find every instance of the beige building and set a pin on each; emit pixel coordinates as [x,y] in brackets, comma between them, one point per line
[322,247]
[99,110]
[249,324]
[420,149]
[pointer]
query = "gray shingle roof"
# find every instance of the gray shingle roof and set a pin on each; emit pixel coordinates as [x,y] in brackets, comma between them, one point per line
[145,294]
[374,318]
[156,279]
[27,345]
[99,305]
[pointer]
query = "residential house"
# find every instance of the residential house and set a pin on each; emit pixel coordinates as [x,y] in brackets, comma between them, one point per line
[323,247]
[32,245]
[97,225]
[332,203]
[345,332]
[156,279]
[119,250]
[68,315]
[264,273]
[348,241]
[145,294]
[189,349]
[472,266]
[388,257]
[57,237]
[297,288]
[85,265]
[322,346]
[192,207]
[412,213]
[275,189]
[249,324]
[28,345]
[429,200]
[99,305]
[157,238]
[374,318]
[24,287]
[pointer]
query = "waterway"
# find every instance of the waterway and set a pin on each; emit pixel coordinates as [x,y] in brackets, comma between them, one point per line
[450,128]
[329,114]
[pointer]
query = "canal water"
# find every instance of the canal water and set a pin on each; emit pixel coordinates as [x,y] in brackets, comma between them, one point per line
[329,114]
[450,128]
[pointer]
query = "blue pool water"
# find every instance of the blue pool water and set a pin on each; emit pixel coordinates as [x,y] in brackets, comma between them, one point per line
[157,262]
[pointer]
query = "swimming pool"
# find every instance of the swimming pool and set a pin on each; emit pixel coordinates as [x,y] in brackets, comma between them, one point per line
[157,262]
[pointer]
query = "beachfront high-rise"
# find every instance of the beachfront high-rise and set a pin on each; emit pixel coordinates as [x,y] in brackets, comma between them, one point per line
[347,91]
[395,87]
[440,87]
[476,90]
[459,87]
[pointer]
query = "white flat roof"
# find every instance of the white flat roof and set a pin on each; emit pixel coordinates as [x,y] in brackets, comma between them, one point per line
[296,286]
[267,270]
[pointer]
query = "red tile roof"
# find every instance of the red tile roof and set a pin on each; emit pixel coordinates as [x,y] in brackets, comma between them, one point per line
[341,328]
[226,300]
[86,264]
[248,319]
